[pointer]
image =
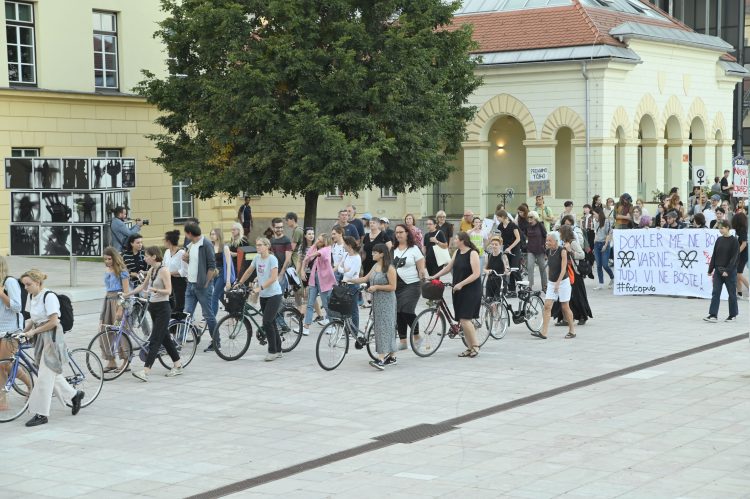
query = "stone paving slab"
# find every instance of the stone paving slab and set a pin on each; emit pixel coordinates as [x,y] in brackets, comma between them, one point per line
[677,429]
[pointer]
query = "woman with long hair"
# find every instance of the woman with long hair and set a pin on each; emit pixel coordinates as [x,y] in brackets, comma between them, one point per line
[411,224]
[536,237]
[623,212]
[478,240]
[133,257]
[338,251]
[11,319]
[382,285]
[372,239]
[579,302]
[320,279]
[303,271]
[433,237]
[467,289]
[116,280]
[349,268]
[236,240]
[158,284]
[223,280]
[177,267]
[739,224]
[602,243]
[512,239]
[50,352]
[410,267]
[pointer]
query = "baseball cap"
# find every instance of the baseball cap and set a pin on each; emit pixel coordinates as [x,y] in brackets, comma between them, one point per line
[672,214]
[385,220]
[533,214]
[715,197]
[366,216]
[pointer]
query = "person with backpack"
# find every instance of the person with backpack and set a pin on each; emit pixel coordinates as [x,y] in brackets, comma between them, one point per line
[46,326]
[225,271]
[158,284]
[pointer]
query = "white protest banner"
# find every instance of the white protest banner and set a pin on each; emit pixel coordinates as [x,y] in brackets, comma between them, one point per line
[699,176]
[663,261]
[739,167]
[487,225]
[539,182]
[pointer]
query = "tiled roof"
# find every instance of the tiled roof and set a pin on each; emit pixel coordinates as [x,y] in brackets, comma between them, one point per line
[567,26]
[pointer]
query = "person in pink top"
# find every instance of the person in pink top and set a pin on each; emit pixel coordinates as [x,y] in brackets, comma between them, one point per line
[321,279]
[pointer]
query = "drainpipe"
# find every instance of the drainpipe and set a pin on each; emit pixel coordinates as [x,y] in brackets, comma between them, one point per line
[588,131]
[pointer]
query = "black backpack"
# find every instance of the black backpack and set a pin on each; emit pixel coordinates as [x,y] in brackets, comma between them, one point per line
[24,297]
[66,311]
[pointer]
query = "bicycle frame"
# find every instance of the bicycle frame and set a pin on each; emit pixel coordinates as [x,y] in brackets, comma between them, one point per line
[21,356]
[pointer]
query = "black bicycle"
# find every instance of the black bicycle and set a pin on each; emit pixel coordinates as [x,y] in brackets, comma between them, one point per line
[530,309]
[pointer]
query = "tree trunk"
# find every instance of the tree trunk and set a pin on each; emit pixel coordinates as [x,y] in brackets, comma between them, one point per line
[311,209]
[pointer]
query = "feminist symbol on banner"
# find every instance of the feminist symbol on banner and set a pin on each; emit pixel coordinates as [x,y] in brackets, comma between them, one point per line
[687,258]
[625,257]
[701,174]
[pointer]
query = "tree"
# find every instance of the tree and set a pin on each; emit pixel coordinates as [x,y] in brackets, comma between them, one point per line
[303,96]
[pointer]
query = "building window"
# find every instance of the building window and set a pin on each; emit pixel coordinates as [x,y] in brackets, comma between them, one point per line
[182,200]
[387,193]
[19,31]
[336,193]
[105,50]
[24,152]
[109,153]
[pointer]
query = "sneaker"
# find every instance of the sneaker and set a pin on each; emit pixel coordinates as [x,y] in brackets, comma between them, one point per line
[402,346]
[611,284]
[305,331]
[37,420]
[390,360]
[76,402]
[324,322]
[175,371]
[711,318]
[271,357]
[318,318]
[598,287]
[279,355]
[378,364]
[209,348]
[731,318]
[141,375]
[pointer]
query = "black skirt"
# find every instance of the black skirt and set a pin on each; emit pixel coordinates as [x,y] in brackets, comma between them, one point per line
[579,302]
[468,301]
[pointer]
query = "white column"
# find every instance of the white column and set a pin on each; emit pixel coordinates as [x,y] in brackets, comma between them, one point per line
[475,175]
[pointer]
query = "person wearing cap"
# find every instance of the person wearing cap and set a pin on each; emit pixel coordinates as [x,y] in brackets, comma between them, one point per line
[623,212]
[389,235]
[366,217]
[672,221]
[715,201]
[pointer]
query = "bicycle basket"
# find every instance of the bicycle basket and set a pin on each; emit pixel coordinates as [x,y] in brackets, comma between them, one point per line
[433,290]
[234,301]
[341,301]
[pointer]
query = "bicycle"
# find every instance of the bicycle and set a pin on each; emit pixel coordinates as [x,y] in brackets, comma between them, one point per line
[530,311]
[235,330]
[429,329]
[116,341]
[496,316]
[83,371]
[333,341]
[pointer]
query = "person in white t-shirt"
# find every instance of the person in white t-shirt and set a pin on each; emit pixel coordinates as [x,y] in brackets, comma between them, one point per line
[410,267]
[349,268]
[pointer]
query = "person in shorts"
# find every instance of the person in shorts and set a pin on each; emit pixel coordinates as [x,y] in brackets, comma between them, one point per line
[558,285]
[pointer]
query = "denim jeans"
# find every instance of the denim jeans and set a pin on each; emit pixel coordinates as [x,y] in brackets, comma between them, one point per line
[602,261]
[730,281]
[312,294]
[540,261]
[195,295]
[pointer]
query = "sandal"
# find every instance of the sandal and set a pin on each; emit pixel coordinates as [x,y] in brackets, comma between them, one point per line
[474,351]
[570,336]
[538,335]
[466,353]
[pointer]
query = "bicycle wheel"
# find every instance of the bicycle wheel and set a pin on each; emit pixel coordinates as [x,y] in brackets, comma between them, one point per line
[234,335]
[497,319]
[370,343]
[139,321]
[14,394]
[84,371]
[332,345]
[115,354]
[293,321]
[427,332]
[534,313]
[186,342]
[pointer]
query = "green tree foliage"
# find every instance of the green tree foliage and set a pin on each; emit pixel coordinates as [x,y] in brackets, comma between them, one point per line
[302,96]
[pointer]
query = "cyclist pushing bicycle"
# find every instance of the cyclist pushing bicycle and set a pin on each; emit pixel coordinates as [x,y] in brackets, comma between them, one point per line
[467,289]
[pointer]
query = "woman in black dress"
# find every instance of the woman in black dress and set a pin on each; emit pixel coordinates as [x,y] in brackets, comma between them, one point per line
[579,302]
[433,237]
[467,289]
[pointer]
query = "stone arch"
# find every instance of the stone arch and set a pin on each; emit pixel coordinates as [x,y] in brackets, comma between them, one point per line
[674,108]
[563,117]
[646,107]
[620,120]
[697,110]
[718,125]
[503,104]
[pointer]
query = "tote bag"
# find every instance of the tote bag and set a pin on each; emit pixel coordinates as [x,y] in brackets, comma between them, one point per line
[442,255]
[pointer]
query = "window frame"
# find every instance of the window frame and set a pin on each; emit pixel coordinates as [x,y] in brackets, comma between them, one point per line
[182,186]
[23,152]
[388,193]
[15,23]
[104,69]
[108,152]
[337,193]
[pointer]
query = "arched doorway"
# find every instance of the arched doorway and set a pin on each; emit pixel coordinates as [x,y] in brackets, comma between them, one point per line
[506,162]
[697,153]
[620,161]
[564,164]
[672,155]
[649,176]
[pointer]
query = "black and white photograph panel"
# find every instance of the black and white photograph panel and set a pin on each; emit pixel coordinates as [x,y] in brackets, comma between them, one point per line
[106,173]
[75,173]
[25,207]
[47,173]
[24,240]
[87,240]
[18,173]
[96,173]
[87,207]
[112,200]
[57,207]
[55,240]
[128,173]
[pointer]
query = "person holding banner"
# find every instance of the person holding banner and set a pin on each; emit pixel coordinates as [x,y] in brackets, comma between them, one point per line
[602,242]
[723,271]
[558,286]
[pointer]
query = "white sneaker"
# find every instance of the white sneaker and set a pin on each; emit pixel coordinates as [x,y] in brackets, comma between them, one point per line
[271,357]
[279,355]
[305,331]
[599,286]
[175,371]
[141,375]
[324,322]
[611,283]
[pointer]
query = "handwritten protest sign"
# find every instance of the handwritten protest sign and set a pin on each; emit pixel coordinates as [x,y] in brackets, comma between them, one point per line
[740,178]
[539,182]
[663,261]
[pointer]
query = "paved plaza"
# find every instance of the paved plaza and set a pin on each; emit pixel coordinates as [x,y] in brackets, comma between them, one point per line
[561,419]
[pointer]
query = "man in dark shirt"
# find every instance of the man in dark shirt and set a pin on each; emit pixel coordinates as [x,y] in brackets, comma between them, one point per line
[672,222]
[351,210]
[726,187]
[723,270]
[245,216]
[281,247]
[349,229]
